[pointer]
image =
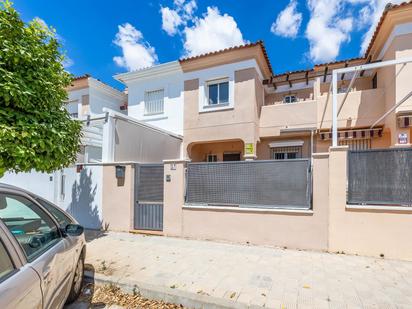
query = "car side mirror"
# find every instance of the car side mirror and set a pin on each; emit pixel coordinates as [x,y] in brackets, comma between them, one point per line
[74,229]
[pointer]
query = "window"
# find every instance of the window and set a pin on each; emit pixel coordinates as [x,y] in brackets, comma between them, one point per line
[211,158]
[74,115]
[375,81]
[342,89]
[218,92]
[357,144]
[290,99]
[6,265]
[32,227]
[154,102]
[285,153]
[59,215]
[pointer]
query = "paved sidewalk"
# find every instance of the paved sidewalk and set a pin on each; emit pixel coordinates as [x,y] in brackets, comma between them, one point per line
[226,275]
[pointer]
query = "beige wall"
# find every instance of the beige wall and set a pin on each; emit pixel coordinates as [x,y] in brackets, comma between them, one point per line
[292,115]
[368,231]
[293,229]
[332,225]
[118,199]
[263,149]
[199,152]
[239,123]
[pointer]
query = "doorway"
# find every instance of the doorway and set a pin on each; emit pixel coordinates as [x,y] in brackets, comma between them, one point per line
[231,156]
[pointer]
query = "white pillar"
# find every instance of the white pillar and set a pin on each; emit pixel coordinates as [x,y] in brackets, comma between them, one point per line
[334,109]
[108,142]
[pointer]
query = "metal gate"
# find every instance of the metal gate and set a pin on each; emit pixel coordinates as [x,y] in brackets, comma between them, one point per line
[148,210]
[262,184]
[380,177]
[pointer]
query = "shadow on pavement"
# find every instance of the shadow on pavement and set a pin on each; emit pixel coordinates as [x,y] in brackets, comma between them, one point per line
[93,234]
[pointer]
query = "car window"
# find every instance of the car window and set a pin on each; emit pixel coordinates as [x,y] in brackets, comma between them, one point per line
[6,265]
[57,213]
[30,225]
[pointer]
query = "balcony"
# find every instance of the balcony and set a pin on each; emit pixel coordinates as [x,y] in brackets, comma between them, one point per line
[361,109]
[292,115]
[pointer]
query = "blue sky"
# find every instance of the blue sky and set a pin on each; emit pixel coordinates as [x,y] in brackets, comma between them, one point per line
[105,37]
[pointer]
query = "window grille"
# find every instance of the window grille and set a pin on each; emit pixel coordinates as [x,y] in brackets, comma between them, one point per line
[154,102]
[283,153]
[357,144]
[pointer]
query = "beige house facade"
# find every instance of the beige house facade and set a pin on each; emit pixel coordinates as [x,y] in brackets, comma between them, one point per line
[236,108]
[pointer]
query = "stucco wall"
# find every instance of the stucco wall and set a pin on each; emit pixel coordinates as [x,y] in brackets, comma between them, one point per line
[172,84]
[374,231]
[293,229]
[118,199]
[239,122]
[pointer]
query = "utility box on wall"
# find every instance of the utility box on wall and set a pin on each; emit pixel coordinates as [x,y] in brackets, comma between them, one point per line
[120,171]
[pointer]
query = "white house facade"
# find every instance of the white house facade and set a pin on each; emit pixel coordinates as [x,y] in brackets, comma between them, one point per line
[155,95]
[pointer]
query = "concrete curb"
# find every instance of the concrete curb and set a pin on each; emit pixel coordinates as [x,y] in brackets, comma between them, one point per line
[175,296]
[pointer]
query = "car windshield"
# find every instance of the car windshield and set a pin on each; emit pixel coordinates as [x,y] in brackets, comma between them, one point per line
[61,218]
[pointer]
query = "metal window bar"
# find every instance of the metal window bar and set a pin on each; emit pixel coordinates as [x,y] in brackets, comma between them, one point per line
[357,144]
[154,102]
[286,150]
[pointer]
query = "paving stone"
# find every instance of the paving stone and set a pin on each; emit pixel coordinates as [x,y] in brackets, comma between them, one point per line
[259,276]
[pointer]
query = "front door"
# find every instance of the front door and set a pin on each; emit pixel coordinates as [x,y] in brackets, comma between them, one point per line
[231,156]
[148,212]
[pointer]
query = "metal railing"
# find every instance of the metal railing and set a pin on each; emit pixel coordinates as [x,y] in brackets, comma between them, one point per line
[260,184]
[380,177]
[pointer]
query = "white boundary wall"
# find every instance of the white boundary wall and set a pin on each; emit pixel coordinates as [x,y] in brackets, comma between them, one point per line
[80,194]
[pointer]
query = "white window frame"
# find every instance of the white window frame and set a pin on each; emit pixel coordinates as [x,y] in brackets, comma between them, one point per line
[210,156]
[290,96]
[217,82]
[162,103]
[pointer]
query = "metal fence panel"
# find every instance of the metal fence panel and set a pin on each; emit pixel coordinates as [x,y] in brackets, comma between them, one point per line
[148,211]
[149,182]
[148,216]
[382,176]
[268,184]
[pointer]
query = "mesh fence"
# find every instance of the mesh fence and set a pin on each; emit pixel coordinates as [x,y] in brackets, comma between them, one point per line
[149,182]
[381,176]
[267,184]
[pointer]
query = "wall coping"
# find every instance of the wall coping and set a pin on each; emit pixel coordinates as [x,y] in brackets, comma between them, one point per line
[304,212]
[379,208]
[320,154]
[339,148]
[177,161]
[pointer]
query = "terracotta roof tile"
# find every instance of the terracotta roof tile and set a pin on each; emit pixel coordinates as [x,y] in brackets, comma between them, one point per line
[389,7]
[257,43]
[81,77]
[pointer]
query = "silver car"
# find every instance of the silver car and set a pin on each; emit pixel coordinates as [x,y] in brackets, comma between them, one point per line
[42,252]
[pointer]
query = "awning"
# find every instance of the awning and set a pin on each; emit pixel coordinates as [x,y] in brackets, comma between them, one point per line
[405,121]
[291,143]
[353,134]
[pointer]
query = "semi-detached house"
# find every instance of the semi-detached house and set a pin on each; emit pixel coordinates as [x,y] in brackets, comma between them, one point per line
[230,104]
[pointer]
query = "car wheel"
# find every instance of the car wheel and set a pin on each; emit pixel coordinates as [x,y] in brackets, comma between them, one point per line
[77,281]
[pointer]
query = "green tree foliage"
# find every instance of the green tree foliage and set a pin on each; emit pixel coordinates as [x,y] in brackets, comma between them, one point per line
[36,131]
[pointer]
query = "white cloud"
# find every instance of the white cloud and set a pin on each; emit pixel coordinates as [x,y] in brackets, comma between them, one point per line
[371,15]
[327,29]
[170,20]
[212,32]
[137,53]
[179,15]
[288,22]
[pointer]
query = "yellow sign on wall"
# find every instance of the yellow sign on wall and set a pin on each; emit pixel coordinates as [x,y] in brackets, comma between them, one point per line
[249,149]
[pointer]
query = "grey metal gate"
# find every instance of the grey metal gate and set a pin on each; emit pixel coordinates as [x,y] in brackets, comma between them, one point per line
[266,184]
[380,176]
[148,211]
